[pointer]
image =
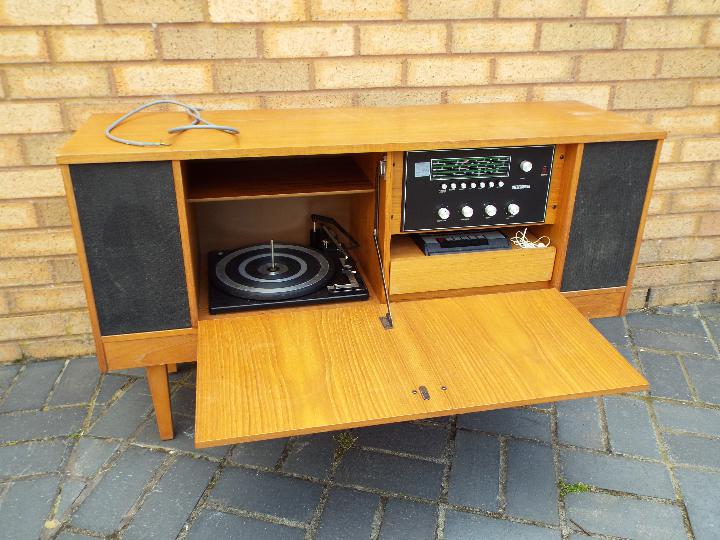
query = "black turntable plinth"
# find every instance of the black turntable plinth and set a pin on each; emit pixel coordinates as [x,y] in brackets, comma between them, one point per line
[274,275]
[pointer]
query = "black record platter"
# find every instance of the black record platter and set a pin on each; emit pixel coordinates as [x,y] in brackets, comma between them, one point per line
[274,275]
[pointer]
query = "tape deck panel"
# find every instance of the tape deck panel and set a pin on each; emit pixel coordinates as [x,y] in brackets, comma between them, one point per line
[453,189]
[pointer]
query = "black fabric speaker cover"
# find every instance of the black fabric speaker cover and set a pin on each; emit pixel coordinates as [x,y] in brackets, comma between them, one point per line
[608,206]
[129,222]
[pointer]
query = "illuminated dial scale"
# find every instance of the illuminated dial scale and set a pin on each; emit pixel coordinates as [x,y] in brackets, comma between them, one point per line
[476,188]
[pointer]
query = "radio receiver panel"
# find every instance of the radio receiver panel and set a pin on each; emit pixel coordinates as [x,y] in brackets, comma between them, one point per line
[458,189]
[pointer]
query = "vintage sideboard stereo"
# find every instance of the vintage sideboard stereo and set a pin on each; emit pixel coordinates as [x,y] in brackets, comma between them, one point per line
[289,260]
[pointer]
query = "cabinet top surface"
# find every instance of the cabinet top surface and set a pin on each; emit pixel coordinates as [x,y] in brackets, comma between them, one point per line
[348,130]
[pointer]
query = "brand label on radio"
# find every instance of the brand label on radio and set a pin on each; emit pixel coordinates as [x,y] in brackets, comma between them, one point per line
[521,186]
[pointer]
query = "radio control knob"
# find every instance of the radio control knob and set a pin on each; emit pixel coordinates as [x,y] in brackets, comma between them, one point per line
[443,213]
[467,211]
[513,209]
[490,210]
[525,166]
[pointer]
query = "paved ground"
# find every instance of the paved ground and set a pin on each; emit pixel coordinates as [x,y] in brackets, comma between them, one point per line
[79,458]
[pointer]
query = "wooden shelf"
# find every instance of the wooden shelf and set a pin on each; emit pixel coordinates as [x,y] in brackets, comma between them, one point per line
[269,375]
[226,180]
[411,271]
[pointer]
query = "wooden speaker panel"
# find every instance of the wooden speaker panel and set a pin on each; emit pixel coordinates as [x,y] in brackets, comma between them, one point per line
[129,223]
[608,209]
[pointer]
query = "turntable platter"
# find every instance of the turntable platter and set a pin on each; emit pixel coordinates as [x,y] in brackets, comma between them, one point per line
[253,273]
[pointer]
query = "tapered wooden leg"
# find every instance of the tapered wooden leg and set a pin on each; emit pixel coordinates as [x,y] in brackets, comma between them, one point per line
[157,377]
[172,368]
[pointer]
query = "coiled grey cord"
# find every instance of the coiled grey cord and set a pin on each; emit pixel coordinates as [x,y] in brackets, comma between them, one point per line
[198,123]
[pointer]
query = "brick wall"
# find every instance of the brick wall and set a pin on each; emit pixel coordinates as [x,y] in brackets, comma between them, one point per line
[657,60]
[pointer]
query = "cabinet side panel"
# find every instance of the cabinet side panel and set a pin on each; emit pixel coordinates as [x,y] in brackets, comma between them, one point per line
[129,223]
[608,210]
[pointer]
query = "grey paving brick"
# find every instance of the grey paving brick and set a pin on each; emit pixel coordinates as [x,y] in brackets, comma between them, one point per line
[475,473]
[714,327]
[679,311]
[77,383]
[390,473]
[688,418]
[32,387]
[348,515]
[133,372]
[311,455]
[26,506]
[626,352]
[460,526]
[69,491]
[664,323]
[7,374]
[183,401]
[110,386]
[578,423]
[38,425]
[531,483]
[421,440]
[117,491]
[167,507]
[184,437]
[617,473]
[269,493]
[261,454]
[32,458]
[222,526]
[89,455]
[406,520]
[693,449]
[665,376]
[125,415]
[711,310]
[625,517]
[704,375]
[648,339]
[701,492]
[613,328]
[515,422]
[629,427]
[65,535]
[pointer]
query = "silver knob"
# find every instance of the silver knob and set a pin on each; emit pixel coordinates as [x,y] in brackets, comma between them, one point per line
[513,209]
[443,213]
[525,166]
[467,211]
[490,210]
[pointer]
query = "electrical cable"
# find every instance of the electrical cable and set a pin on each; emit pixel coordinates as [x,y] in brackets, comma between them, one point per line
[521,240]
[198,123]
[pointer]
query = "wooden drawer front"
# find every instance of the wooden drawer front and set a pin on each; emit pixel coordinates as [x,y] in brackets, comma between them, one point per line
[412,272]
[150,351]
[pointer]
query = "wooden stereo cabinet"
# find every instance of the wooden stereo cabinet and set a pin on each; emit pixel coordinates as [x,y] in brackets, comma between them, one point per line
[472,331]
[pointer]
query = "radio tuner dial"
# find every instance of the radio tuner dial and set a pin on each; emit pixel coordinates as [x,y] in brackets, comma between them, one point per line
[443,213]
[513,209]
[490,210]
[467,211]
[526,166]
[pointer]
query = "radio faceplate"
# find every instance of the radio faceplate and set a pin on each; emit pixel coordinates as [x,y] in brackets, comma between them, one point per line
[456,189]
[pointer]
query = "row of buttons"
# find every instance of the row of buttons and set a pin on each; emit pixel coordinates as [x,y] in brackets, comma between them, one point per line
[473,185]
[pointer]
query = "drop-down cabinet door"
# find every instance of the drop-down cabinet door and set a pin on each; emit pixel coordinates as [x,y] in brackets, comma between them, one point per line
[278,373]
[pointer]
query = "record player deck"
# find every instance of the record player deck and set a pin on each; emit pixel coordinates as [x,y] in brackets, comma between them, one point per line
[274,275]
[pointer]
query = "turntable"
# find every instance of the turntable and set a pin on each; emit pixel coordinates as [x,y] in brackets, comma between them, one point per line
[274,274]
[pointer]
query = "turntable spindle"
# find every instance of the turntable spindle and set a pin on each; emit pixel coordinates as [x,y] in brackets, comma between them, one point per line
[273,268]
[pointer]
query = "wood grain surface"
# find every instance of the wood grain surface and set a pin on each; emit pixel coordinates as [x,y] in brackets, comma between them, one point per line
[275,374]
[357,129]
[411,271]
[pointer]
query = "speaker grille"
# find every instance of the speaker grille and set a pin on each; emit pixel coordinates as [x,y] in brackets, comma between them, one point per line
[608,207]
[129,223]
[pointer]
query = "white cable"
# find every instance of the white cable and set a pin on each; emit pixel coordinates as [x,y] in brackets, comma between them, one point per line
[198,123]
[521,240]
